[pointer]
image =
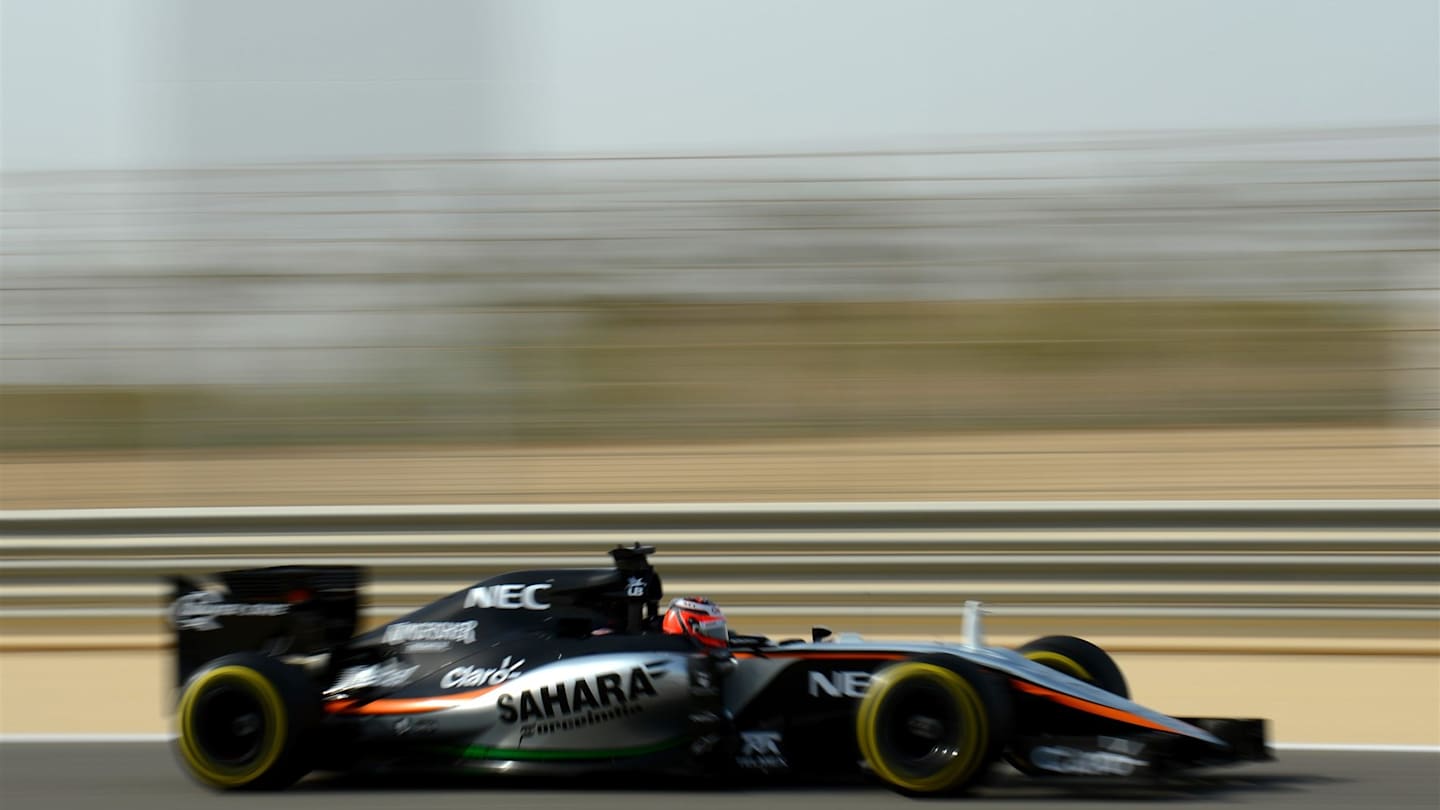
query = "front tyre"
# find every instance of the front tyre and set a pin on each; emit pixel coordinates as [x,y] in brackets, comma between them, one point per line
[1080,659]
[932,725]
[244,721]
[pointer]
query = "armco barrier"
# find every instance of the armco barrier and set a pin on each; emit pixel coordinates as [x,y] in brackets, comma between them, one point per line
[1333,575]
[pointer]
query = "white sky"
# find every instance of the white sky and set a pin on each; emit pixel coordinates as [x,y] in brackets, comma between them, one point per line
[135,83]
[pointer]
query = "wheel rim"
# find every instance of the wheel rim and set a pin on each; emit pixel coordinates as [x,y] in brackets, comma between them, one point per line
[919,729]
[230,725]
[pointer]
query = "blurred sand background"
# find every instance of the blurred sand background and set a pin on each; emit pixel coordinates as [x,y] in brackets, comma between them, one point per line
[1201,314]
[1290,463]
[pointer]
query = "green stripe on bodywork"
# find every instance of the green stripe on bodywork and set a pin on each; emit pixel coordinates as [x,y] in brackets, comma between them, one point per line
[482,752]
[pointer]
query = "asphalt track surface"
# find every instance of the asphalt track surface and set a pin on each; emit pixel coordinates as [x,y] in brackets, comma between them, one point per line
[143,776]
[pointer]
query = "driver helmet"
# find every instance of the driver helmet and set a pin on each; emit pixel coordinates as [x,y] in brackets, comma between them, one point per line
[698,618]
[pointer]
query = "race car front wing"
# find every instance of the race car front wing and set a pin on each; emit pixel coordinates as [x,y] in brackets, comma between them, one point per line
[1154,754]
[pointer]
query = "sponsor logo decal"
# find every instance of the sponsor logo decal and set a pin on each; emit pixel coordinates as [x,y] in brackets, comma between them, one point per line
[466,677]
[391,673]
[202,609]
[760,750]
[580,702]
[838,684]
[1119,760]
[429,636]
[635,586]
[508,597]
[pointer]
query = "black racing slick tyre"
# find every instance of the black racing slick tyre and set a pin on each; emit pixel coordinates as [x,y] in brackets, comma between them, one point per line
[244,722]
[933,725]
[1080,659]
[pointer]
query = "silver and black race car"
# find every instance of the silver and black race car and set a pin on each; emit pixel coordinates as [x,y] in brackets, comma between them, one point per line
[570,671]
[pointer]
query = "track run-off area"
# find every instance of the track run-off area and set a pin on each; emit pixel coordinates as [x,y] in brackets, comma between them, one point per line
[144,775]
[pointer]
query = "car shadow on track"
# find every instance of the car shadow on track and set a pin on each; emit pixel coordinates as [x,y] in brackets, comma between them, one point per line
[1005,786]
[1229,785]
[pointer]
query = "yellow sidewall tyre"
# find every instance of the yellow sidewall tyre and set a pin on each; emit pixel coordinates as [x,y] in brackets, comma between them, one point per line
[243,722]
[1080,659]
[932,725]
[1061,663]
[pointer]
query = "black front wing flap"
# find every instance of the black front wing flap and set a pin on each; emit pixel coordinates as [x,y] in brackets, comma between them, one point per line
[1143,754]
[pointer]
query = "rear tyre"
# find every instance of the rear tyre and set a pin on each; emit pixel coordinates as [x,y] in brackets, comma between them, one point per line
[1080,659]
[933,725]
[244,721]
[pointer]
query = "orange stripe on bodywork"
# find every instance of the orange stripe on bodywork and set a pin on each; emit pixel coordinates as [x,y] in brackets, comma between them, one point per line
[857,656]
[405,705]
[1088,706]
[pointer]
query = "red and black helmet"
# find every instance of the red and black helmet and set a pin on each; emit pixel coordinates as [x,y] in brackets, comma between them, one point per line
[699,618]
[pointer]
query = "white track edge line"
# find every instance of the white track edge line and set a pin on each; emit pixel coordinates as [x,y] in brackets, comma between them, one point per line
[29,739]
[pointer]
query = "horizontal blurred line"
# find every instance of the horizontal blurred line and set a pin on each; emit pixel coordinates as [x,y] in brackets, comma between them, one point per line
[1378,510]
[992,143]
[1235,562]
[598,493]
[1078,298]
[702,207]
[1144,611]
[786,454]
[1177,586]
[99,738]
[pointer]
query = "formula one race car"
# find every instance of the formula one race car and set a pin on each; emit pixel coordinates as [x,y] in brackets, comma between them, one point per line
[579,671]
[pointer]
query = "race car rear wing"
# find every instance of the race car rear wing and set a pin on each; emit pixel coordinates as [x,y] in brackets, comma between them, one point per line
[280,611]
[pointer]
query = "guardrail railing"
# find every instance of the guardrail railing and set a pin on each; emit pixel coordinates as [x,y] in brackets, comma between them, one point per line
[1336,569]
